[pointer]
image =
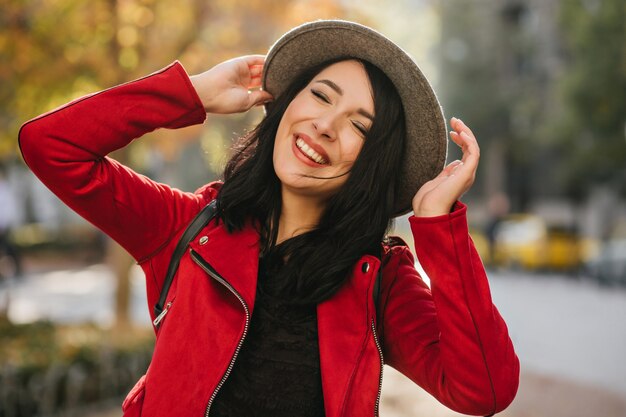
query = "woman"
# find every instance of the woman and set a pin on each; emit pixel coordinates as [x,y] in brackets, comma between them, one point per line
[272,311]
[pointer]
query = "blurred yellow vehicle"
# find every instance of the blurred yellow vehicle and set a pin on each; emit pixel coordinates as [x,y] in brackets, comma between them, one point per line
[520,241]
[525,241]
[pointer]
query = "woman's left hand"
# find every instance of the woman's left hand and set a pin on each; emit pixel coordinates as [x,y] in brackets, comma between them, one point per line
[437,196]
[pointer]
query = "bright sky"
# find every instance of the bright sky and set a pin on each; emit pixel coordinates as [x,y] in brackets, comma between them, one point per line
[413,24]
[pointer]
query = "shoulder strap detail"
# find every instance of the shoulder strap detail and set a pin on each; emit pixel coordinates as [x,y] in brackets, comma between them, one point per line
[198,223]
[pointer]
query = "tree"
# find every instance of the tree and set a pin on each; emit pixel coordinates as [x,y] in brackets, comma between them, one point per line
[590,131]
[484,84]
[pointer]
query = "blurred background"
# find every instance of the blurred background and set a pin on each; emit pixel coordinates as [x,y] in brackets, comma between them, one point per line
[541,82]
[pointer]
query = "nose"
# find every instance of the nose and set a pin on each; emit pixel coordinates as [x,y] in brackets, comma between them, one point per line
[324,125]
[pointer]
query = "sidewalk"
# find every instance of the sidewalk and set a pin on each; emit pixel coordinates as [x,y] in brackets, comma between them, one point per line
[538,396]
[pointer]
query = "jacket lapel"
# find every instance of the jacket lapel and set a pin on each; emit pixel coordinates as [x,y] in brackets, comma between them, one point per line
[234,256]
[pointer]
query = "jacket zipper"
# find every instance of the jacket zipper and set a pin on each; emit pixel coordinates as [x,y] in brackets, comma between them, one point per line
[382,363]
[209,270]
[161,316]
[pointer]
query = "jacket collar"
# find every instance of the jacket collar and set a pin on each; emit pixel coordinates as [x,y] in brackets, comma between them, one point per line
[233,255]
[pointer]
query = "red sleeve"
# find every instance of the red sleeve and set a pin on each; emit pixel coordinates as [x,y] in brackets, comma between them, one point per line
[67,147]
[451,341]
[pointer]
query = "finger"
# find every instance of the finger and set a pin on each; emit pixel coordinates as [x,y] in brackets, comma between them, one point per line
[456,138]
[467,143]
[254,82]
[450,168]
[254,59]
[471,152]
[460,142]
[258,97]
[456,124]
[256,71]
[460,126]
[453,123]
[470,143]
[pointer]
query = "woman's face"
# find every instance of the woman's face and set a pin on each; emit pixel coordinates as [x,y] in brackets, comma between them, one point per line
[323,129]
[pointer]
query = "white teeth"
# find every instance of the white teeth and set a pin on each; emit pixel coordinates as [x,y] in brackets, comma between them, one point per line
[309,152]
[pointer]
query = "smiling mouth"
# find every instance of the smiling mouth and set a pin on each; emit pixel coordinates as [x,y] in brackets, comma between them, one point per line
[310,153]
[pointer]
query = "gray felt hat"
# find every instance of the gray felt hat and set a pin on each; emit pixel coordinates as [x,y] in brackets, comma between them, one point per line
[319,41]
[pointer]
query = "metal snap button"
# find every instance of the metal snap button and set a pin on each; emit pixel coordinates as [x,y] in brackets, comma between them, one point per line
[204,240]
[365,267]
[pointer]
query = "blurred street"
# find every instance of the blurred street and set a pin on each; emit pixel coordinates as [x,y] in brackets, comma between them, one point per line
[567,331]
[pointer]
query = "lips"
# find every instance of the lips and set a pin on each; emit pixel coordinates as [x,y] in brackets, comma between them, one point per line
[310,152]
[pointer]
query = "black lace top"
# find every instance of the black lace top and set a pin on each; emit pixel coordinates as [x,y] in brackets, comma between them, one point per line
[277,371]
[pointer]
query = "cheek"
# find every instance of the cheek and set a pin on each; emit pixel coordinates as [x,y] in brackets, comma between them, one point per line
[281,154]
[278,155]
[351,149]
[287,120]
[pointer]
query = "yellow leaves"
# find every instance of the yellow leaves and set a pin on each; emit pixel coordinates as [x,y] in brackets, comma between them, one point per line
[143,16]
[215,148]
[127,36]
[56,50]
[131,12]
[306,10]
[73,53]
[229,36]
[84,85]
[128,58]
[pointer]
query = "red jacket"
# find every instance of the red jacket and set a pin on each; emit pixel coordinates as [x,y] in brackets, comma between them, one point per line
[450,340]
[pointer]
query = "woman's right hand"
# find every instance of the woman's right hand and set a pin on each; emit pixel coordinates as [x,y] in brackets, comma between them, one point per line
[226,88]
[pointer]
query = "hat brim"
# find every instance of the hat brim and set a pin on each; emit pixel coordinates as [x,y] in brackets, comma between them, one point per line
[316,42]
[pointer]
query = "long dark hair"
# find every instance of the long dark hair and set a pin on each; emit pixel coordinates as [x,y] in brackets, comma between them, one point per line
[312,266]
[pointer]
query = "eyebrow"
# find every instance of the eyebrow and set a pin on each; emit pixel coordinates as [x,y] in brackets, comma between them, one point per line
[339,91]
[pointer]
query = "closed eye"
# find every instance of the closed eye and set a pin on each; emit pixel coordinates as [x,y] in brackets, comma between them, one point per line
[360,128]
[320,95]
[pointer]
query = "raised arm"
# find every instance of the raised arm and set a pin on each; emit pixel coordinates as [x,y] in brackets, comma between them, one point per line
[451,341]
[67,148]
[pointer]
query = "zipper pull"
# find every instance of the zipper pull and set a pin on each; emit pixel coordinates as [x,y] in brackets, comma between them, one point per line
[161,316]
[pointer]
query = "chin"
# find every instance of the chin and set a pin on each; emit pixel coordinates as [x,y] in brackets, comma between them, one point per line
[308,187]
